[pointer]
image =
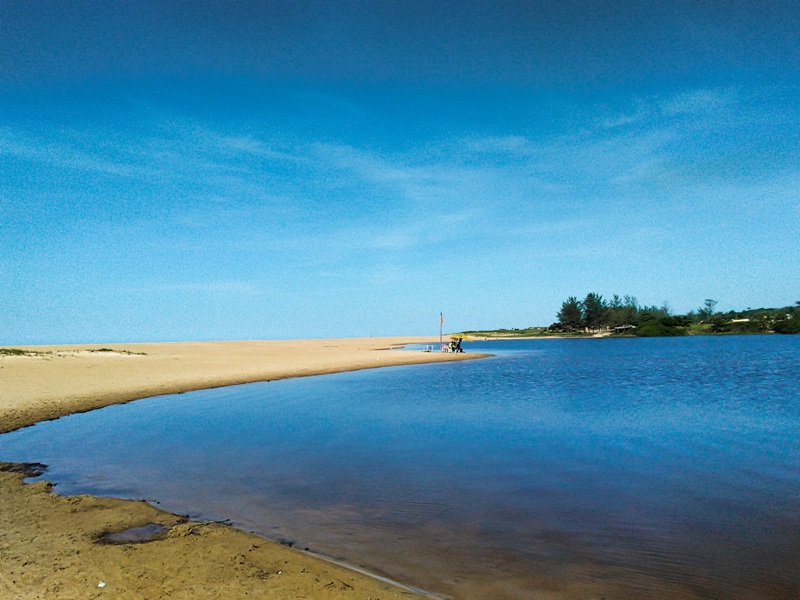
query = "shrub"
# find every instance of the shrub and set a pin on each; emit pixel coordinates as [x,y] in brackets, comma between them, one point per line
[787,326]
[12,352]
[655,328]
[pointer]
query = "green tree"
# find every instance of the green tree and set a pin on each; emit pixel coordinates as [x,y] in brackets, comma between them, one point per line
[707,310]
[594,311]
[621,311]
[570,316]
[632,302]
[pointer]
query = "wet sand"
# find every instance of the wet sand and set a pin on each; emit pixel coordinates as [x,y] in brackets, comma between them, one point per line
[53,547]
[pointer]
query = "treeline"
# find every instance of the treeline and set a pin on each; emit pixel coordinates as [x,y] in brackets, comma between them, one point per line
[625,316]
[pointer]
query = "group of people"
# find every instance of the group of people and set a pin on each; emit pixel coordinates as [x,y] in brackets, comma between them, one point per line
[454,345]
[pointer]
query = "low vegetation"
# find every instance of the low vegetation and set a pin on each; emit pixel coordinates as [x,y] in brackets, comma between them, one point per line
[18,352]
[625,317]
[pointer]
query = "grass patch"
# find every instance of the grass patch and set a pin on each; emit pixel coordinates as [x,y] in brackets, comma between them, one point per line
[112,351]
[18,352]
[12,352]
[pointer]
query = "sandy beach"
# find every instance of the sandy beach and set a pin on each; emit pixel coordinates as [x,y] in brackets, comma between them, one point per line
[54,547]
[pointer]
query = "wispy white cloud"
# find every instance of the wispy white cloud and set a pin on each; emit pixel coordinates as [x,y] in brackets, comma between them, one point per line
[411,185]
[11,145]
[702,101]
[351,199]
[514,144]
[65,153]
[646,111]
[626,119]
[95,151]
[174,151]
[213,143]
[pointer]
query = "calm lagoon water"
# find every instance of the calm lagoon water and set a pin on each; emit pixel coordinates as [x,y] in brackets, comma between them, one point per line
[633,468]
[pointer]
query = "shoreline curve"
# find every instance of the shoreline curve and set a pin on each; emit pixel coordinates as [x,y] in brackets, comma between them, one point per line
[49,543]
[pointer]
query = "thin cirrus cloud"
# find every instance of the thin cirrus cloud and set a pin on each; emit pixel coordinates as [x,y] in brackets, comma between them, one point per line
[347,197]
[481,176]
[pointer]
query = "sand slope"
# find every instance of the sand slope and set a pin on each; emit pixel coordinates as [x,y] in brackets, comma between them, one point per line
[58,380]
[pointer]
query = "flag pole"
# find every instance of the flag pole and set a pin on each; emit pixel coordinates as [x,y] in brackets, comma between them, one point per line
[441,324]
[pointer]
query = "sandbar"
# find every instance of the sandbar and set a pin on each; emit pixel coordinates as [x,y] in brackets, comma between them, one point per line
[53,546]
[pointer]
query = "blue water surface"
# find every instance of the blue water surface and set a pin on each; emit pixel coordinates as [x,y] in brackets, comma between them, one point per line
[616,468]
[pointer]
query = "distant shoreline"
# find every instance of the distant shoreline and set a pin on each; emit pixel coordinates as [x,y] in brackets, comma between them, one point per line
[489,336]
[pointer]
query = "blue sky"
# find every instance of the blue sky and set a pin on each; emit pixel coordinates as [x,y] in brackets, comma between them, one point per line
[215,170]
